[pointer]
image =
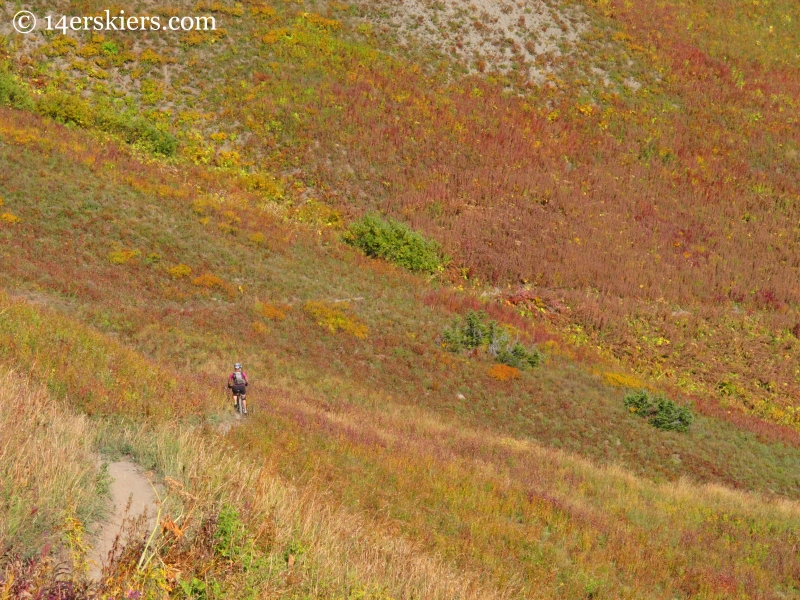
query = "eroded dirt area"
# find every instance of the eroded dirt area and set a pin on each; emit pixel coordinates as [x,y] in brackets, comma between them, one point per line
[487,34]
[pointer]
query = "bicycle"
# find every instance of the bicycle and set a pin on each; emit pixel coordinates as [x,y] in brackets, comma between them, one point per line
[241,399]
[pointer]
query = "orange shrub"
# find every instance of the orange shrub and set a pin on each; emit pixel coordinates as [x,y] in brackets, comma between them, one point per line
[9,218]
[207,280]
[257,238]
[89,50]
[260,328]
[504,372]
[321,22]
[151,57]
[122,256]
[262,10]
[274,35]
[212,282]
[218,7]
[195,38]
[271,312]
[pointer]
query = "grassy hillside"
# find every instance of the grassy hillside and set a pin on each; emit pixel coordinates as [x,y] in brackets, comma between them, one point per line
[381,424]
[153,267]
[624,202]
[646,178]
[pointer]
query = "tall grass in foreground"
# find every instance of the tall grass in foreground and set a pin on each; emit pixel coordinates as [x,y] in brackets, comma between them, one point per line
[538,522]
[227,523]
[49,475]
[230,524]
[376,496]
[306,545]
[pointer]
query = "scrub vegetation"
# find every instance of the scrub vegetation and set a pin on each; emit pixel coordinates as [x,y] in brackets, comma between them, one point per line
[512,331]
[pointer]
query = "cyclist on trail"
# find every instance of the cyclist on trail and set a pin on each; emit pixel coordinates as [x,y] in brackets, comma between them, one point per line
[237,382]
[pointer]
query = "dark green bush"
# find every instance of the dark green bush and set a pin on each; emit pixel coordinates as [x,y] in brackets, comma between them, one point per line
[395,242]
[467,333]
[670,416]
[660,412]
[156,140]
[12,92]
[639,402]
[135,130]
[472,332]
[519,356]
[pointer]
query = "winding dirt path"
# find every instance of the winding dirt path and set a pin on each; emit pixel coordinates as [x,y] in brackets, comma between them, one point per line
[128,483]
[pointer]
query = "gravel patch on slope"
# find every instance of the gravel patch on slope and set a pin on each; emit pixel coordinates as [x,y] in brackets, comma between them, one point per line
[502,35]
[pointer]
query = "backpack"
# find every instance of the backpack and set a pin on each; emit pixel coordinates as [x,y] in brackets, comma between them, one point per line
[238,378]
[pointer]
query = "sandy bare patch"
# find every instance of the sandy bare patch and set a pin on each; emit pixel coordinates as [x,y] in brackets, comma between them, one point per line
[500,35]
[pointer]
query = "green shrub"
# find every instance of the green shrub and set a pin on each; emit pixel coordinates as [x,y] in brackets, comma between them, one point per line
[467,333]
[135,130]
[660,412]
[395,242]
[670,416]
[519,356]
[65,108]
[639,402]
[12,92]
[154,139]
[109,48]
[472,332]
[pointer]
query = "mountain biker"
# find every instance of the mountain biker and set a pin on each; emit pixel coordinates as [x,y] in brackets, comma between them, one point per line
[237,382]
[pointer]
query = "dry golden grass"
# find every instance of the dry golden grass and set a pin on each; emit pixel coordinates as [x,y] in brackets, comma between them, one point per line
[342,553]
[48,468]
[53,482]
[270,311]
[540,522]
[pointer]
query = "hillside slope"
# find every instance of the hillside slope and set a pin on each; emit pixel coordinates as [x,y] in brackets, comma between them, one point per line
[648,184]
[615,184]
[132,286]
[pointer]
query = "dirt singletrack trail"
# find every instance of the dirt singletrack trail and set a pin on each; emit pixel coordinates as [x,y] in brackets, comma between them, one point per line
[224,426]
[128,482]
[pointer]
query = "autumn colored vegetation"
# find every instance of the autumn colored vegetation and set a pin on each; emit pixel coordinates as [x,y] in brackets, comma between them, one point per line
[621,236]
[656,201]
[349,418]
